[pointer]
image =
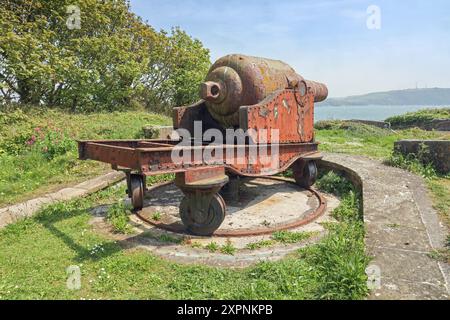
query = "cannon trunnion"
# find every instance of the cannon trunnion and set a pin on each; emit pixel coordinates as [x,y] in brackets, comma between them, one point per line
[263,99]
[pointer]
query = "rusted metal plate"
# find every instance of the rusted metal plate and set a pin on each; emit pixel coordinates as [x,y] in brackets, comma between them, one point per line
[207,176]
[236,158]
[286,112]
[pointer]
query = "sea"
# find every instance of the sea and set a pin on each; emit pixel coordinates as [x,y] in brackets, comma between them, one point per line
[370,112]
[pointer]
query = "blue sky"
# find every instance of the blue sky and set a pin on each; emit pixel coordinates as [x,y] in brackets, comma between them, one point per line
[324,40]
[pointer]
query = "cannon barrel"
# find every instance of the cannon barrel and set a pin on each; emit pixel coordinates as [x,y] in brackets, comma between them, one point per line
[238,80]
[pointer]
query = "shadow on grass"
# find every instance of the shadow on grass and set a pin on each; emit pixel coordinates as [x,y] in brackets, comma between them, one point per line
[51,216]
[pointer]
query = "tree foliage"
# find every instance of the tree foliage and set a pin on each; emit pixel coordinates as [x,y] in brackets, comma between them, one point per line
[111,60]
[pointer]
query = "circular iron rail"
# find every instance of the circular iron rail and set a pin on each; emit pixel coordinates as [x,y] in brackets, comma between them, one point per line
[242,233]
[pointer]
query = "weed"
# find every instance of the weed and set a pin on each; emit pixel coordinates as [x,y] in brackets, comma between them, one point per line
[212,247]
[169,239]
[228,248]
[156,216]
[118,215]
[260,244]
[196,245]
[288,237]
[442,255]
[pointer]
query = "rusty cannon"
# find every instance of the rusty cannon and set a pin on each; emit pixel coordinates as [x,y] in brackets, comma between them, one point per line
[255,118]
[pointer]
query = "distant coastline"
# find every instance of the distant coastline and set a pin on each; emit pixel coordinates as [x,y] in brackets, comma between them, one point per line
[366,112]
[424,97]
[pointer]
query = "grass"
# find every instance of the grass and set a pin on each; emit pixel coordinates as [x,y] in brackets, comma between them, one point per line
[166,238]
[440,194]
[35,253]
[420,118]
[118,215]
[288,237]
[228,248]
[261,244]
[157,216]
[330,182]
[212,247]
[360,139]
[28,171]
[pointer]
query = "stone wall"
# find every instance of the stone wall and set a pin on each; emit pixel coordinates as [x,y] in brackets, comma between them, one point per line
[436,152]
[379,124]
[158,132]
[439,125]
[436,124]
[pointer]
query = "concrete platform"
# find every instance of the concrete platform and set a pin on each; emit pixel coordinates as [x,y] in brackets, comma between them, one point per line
[263,203]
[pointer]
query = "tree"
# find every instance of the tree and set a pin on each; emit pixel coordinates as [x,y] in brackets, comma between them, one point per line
[91,55]
[177,66]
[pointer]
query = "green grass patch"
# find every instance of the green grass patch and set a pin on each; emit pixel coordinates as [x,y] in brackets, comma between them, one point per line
[331,182]
[361,139]
[164,238]
[37,252]
[228,248]
[440,194]
[156,216]
[289,237]
[261,244]
[420,118]
[119,217]
[169,239]
[38,152]
[212,247]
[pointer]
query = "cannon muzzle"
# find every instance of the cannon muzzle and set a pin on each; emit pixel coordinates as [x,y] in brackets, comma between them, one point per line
[319,90]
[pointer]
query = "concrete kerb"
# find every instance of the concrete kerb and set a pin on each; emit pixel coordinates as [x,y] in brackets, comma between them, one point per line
[402,228]
[28,208]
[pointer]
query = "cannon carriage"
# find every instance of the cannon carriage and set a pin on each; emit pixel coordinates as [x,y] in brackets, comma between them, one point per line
[266,108]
